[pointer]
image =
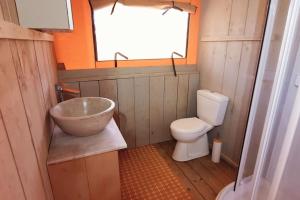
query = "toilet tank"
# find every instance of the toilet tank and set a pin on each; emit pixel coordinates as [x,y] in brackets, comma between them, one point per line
[211,106]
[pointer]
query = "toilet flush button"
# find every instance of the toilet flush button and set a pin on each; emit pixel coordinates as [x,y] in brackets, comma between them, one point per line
[297,81]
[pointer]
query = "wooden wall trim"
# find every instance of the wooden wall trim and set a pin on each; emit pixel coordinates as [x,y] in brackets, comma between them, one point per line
[228,38]
[113,73]
[12,31]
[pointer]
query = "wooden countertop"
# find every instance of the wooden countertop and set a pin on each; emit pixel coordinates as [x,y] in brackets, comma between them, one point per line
[65,147]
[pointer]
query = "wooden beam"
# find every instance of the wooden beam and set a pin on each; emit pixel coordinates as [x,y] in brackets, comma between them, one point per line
[12,31]
[229,38]
[115,73]
[185,5]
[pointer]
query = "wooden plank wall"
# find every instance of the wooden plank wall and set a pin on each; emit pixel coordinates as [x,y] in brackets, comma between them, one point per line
[27,78]
[8,11]
[146,103]
[230,41]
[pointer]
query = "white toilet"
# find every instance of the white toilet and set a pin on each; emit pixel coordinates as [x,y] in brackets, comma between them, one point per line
[191,133]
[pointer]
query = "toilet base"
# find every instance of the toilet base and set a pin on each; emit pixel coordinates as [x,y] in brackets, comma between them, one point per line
[188,151]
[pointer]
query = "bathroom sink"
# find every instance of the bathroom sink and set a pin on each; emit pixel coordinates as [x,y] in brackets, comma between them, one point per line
[83,116]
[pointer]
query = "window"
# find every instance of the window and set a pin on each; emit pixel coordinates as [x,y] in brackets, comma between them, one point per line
[143,35]
[140,33]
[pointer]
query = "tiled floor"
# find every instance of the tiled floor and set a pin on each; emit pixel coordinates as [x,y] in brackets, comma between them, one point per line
[146,175]
[150,173]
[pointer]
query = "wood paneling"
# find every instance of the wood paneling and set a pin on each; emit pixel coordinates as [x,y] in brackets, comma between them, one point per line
[192,95]
[228,38]
[126,110]
[33,98]
[182,96]
[45,77]
[48,48]
[238,17]
[10,185]
[9,11]
[157,109]
[244,87]
[1,14]
[47,72]
[256,16]
[211,65]
[170,104]
[229,49]
[142,110]
[215,17]
[27,78]
[109,89]
[89,89]
[17,126]
[71,85]
[231,73]
[146,103]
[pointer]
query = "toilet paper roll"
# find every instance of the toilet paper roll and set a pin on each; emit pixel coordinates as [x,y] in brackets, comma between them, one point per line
[216,151]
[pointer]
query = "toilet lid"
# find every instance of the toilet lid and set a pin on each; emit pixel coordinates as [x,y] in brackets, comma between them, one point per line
[189,125]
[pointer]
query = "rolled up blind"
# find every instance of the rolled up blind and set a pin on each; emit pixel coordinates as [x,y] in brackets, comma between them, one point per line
[160,4]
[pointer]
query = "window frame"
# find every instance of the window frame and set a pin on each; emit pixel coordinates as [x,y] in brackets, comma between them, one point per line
[191,52]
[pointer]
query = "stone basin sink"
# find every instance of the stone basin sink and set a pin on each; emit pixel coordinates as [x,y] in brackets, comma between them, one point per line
[83,116]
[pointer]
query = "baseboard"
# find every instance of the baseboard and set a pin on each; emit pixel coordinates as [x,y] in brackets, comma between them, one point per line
[227,159]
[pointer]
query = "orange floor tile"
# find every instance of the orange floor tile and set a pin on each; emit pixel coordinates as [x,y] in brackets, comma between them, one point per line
[146,175]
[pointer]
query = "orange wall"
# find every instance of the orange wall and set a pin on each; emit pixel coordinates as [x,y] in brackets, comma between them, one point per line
[76,49]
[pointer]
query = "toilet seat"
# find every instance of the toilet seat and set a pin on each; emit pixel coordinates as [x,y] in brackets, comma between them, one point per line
[190,126]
